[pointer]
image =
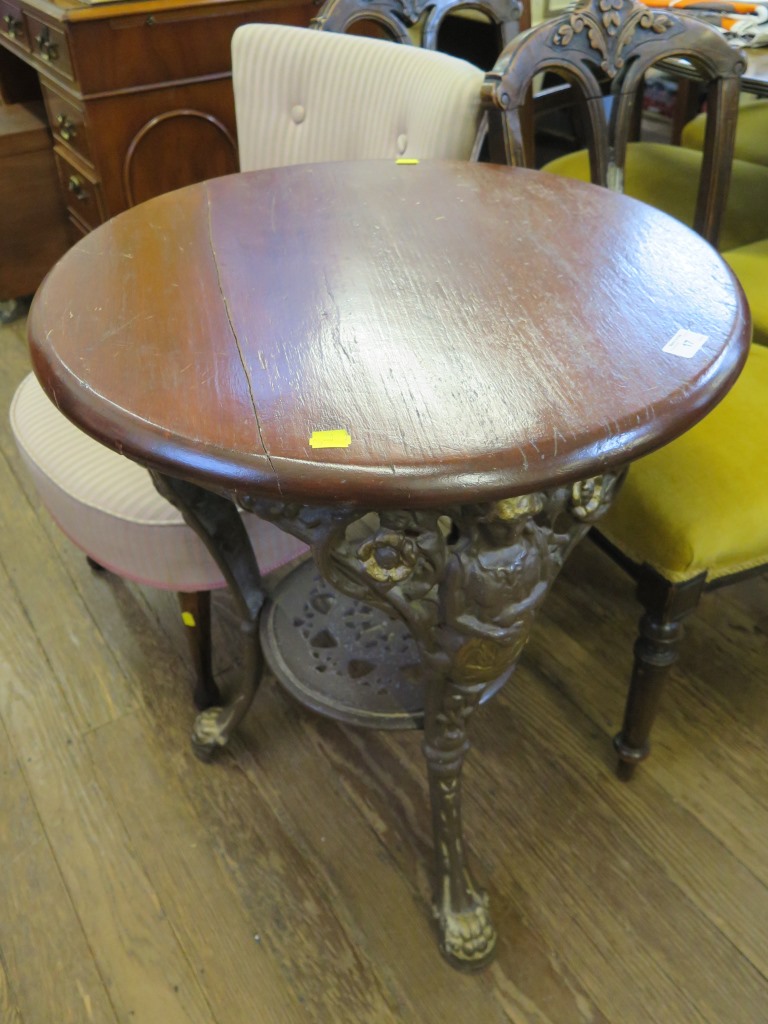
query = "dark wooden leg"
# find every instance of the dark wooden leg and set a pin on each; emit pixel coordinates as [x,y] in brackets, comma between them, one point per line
[218,524]
[196,616]
[656,650]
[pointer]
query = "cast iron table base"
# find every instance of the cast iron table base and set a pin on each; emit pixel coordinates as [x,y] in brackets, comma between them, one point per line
[466,582]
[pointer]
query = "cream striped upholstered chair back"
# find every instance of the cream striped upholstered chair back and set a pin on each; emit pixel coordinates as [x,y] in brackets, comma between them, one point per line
[304,96]
[301,96]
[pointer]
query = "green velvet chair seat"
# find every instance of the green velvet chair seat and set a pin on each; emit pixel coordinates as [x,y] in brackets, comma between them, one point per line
[667,177]
[751,132]
[750,264]
[701,503]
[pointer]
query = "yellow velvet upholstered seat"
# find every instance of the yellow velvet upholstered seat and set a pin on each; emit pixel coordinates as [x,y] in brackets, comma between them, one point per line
[700,505]
[751,131]
[666,177]
[750,264]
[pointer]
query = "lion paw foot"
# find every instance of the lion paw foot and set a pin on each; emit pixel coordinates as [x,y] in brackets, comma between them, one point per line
[468,937]
[208,735]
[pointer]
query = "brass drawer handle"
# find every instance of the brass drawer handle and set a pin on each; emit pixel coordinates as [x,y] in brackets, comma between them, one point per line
[12,26]
[48,51]
[67,129]
[76,187]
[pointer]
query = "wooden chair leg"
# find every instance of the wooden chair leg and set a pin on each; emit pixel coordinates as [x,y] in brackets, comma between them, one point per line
[656,650]
[196,616]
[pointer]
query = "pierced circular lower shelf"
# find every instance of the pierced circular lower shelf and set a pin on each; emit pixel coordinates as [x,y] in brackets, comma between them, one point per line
[341,657]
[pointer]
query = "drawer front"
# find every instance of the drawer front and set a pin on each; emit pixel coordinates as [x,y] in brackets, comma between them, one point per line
[12,24]
[67,120]
[49,47]
[81,192]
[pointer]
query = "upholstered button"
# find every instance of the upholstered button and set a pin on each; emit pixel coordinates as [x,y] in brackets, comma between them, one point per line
[402,143]
[298,113]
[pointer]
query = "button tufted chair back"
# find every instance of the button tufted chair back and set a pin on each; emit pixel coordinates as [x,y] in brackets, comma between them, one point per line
[303,96]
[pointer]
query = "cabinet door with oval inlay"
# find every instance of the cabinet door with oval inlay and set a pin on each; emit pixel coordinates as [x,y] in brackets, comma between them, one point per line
[163,139]
[208,147]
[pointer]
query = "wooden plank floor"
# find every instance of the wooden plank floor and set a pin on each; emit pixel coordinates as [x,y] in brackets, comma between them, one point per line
[289,881]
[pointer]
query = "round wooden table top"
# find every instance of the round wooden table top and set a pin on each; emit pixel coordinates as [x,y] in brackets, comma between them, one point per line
[465,331]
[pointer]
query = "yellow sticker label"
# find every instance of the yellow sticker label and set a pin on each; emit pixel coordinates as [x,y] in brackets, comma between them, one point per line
[330,439]
[407,160]
[188,619]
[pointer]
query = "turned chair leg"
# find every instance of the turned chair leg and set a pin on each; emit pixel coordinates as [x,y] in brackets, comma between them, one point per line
[196,616]
[656,650]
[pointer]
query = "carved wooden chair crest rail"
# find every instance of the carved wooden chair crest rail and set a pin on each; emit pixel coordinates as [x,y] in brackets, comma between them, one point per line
[692,516]
[399,18]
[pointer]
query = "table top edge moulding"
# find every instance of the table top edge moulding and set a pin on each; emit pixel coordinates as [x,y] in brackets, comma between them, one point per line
[514,306]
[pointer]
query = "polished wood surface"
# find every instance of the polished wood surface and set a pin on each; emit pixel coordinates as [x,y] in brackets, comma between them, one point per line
[477,330]
[136,880]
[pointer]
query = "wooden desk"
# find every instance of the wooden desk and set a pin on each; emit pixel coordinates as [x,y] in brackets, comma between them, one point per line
[487,345]
[138,95]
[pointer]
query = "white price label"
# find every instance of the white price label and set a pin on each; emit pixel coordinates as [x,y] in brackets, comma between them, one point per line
[685,343]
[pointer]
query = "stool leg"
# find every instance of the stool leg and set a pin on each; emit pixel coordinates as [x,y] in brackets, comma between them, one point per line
[196,616]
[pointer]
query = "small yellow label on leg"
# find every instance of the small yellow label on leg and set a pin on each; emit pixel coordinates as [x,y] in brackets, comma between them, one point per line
[188,619]
[330,439]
